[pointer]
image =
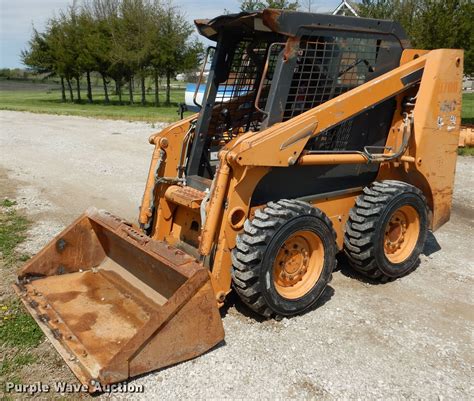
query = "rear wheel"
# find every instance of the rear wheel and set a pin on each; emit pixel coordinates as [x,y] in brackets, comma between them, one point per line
[284,258]
[386,230]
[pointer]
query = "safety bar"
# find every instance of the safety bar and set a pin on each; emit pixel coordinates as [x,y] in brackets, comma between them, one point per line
[201,75]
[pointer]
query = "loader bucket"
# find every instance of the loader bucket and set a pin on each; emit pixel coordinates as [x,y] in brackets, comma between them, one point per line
[116,303]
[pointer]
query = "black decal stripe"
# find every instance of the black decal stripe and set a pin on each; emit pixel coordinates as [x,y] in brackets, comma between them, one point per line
[412,77]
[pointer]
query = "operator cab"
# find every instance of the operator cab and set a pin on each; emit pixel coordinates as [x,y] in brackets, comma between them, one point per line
[268,67]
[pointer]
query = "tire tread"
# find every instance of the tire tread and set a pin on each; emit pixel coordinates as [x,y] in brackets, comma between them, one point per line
[359,236]
[252,243]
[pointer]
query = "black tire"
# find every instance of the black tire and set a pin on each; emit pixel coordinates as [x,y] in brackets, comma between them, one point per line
[258,246]
[367,224]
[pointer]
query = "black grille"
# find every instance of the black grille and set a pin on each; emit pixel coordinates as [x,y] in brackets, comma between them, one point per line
[234,108]
[332,139]
[328,67]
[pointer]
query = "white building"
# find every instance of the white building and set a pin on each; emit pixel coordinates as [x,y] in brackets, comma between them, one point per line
[347,8]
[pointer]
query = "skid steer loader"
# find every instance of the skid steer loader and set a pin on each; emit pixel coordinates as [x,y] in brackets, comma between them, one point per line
[316,134]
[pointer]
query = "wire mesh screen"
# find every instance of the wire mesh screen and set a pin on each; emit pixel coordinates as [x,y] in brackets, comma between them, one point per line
[326,68]
[234,108]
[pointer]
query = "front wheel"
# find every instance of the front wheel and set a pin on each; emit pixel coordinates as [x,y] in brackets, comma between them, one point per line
[284,258]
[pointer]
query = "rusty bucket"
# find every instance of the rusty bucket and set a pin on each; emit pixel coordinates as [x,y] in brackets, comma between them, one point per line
[115,303]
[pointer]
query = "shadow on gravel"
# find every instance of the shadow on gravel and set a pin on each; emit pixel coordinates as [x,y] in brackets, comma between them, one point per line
[327,294]
[345,268]
[233,300]
[431,246]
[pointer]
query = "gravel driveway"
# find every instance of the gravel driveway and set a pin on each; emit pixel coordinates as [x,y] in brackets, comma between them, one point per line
[411,338]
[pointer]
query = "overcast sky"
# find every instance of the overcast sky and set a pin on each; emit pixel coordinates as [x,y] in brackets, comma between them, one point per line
[18,16]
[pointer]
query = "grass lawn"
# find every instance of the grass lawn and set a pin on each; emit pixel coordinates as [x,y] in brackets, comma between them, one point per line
[47,100]
[468,151]
[25,357]
[43,98]
[468,108]
[19,333]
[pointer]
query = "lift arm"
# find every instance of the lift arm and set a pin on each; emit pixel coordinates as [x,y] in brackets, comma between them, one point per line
[283,143]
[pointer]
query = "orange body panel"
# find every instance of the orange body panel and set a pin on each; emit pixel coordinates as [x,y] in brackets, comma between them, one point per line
[428,162]
[437,118]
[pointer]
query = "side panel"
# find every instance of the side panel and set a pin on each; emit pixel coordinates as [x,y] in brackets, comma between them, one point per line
[437,117]
[368,128]
[299,181]
[337,209]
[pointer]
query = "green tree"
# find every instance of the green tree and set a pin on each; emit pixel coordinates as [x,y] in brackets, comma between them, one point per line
[446,24]
[40,57]
[67,44]
[131,44]
[99,46]
[102,13]
[178,52]
[157,57]
[74,45]
[465,36]
[430,24]
[121,40]
[86,57]
[62,51]
[256,5]
[380,9]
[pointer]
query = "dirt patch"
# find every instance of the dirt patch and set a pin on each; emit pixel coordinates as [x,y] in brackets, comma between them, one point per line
[8,186]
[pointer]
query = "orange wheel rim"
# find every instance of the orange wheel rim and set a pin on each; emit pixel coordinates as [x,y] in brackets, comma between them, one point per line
[298,264]
[401,234]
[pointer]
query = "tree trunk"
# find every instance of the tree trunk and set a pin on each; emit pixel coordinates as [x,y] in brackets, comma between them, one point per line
[130,89]
[143,89]
[106,92]
[71,93]
[78,89]
[118,90]
[63,90]
[168,87]
[157,89]
[89,87]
